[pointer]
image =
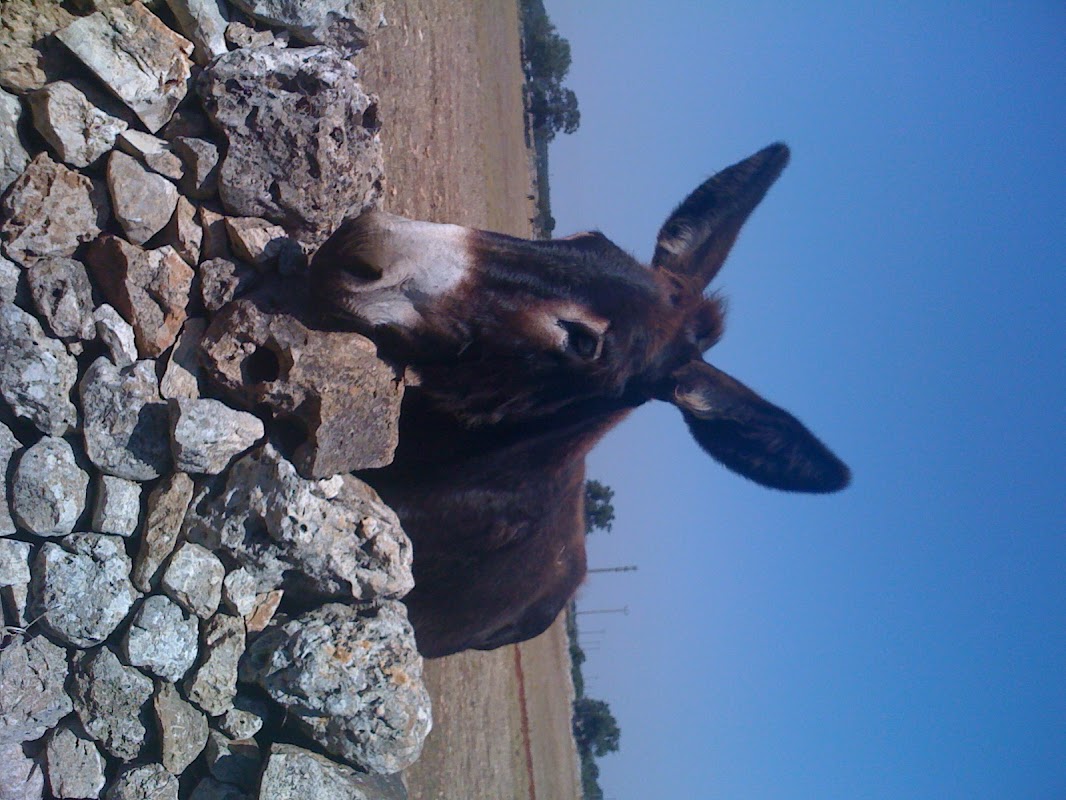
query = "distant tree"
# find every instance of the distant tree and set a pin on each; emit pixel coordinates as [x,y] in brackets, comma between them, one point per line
[599,513]
[546,62]
[595,728]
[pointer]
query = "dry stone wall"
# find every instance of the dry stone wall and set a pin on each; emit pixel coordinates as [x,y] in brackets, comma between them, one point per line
[198,599]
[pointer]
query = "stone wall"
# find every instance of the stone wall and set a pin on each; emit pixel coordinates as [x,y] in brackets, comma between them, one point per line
[198,600]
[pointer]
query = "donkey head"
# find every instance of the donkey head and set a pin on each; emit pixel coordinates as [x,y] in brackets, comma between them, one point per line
[502,330]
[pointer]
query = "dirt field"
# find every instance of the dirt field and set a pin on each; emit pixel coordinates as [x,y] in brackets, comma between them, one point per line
[449,79]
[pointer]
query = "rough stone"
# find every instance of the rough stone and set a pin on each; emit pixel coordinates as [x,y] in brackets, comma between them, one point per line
[233,761]
[215,243]
[346,398]
[149,287]
[136,56]
[201,162]
[125,420]
[81,589]
[238,593]
[13,156]
[167,505]
[182,376]
[206,434]
[245,719]
[111,702]
[116,334]
[153,152]
[193,578]
[9,278]
[293,773]
[326,538]
[182,728]
[143,201]
[184,233]
[28,55]
[9,445]
[50,210]
[74,764]
[32,674]
[21,778]
[14,581]
[223,280]
[344,25]
[305,172]
[258,241]
[261,615]
[78,130]
[162,639]
[48,490]
[144,782]
[116,506]
[213,685]
[240,35]
[64,297]
[352,682]
[204,22]
[36,373]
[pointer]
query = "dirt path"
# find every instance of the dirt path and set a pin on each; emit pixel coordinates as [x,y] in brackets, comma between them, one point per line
[449,80]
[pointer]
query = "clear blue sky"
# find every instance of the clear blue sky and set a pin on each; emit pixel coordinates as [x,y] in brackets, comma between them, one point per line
[901,290]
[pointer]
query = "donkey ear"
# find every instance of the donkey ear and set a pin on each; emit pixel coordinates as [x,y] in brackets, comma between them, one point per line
[751,436]
[698,236]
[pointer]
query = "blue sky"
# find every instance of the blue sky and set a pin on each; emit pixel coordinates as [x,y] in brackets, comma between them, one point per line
[901,291]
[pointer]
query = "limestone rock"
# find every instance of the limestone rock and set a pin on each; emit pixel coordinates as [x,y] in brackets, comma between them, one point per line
[28,55]
[49,488]
[78,130]
[167,505]
[182,729]
[346,399]
[14,581]
[116,334]
[262,613]
[181,378]
[353,682]
[149,287]
[345,25]
[193,578]
[240,35]
[153,152]
[21,777]
[9,278]
[64,297]
[111,702]
[13,156]
[206,434]
[259,242]
[125,420]
[215,242]
[9,445]
[144,782]
[214,683]
[50,210]
[117,506]
[245,719]
[36,373]
[293,773]
[143,201]
[74,764]
[184,233]
[238,593]
[32,674]
[222,280]
[162,639]
[304,171]
[204,22]
[328,538]
[201,166]
[81,589]
[136,56]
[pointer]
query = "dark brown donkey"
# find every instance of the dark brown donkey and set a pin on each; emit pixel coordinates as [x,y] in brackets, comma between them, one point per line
[526,353]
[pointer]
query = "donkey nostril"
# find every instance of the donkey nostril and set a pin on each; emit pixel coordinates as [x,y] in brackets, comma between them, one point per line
[363,270]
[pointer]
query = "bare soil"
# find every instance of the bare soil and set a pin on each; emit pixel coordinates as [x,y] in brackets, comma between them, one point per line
[449,78]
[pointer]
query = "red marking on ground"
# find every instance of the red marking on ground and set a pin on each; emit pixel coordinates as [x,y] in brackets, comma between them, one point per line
[525,719]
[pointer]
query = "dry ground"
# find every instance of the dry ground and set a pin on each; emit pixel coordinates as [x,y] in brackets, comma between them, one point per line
[449,80]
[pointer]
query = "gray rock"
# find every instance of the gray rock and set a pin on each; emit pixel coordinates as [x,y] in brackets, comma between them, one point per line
[182,376]
[245,719]
[150,288]
[32,674]
[9,445]
[14,580]
[153,152]
[182,728]
[81,589]
[116,334]
[111,702]
[257,241]
[282,166]
[36,373]
[238,593]
[214,683]
[116,506]
[50,210]
[125,420]
[143,201]
[144,782]
[136,56]
[328,538]
[345,25]
[162,639]
[28,56]
[193,578]
[206,434]
[9,278]
[216,241]
[48,490]
[74,764]
[204,22]
[63,296]
[167,505]
[201,166]
[293,773]
[184,233]
[78,130]
[222,280]
[352,682]
[240,35]
[13,156]
[346,399]
[233,761]
[21,777]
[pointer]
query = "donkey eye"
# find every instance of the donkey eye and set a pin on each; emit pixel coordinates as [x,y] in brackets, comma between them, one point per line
[581,340]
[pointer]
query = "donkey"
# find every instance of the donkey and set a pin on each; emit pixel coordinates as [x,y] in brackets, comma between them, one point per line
[525,353]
